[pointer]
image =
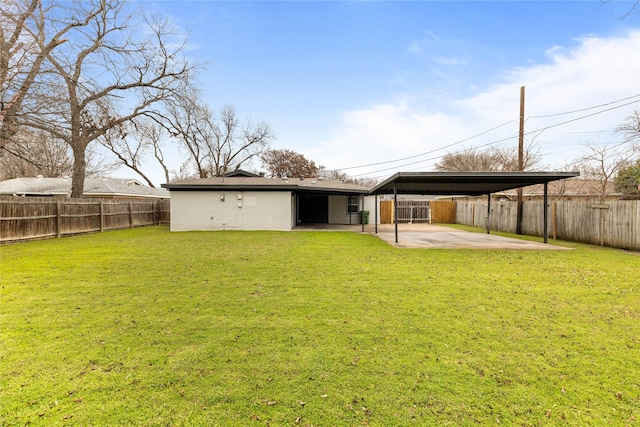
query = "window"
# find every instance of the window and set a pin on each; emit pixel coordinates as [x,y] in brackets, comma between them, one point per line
[352,204]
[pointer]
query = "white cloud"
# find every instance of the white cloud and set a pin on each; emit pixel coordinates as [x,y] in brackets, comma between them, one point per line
[595,71]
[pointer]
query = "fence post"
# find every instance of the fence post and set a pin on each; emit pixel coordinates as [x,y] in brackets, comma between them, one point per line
[58,218]
[130,215]
[101,216]
[554,212]
[488,213]
[473,213]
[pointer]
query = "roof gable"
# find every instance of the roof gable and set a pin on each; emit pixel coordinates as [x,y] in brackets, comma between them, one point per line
[240,173]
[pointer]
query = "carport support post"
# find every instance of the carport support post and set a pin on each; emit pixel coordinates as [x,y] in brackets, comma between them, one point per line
[395,208]
[488,213]
[546,213]
[362,214]
[375,220]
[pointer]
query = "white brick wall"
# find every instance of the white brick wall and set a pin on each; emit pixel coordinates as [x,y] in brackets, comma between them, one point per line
[231,210]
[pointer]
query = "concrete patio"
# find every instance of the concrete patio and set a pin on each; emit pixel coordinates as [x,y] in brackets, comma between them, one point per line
[430,236]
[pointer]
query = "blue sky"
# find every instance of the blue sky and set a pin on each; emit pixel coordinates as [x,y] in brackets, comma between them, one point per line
[350,83]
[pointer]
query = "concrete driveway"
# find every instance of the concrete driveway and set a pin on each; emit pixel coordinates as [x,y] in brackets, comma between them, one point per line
[440,237]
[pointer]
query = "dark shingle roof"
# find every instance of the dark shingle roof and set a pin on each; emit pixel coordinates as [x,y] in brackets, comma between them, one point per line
[296,185]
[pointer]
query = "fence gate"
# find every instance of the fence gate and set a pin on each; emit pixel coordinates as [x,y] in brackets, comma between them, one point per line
[408,211]
[443,211]
[386,212]
[413,211]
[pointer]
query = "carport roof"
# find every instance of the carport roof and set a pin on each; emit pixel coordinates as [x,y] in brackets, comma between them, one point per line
[464,183]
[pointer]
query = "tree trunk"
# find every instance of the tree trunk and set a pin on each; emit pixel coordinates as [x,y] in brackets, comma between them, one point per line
[79,169]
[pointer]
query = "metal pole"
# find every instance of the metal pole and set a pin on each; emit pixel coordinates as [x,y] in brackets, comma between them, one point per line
[376,210]
[362,217]
[546,213]
[395,209]
[488,213]
[520,164]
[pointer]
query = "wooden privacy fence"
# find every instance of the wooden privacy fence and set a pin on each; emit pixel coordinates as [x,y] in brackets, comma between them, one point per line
[42,218]
[386,212]
[409,211]
[413,211]
[612,223]
[443,211]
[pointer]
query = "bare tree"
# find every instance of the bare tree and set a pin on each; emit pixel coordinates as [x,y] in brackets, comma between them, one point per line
[33,153]
[26,40]
[491,160]
[630,7]
[30,153]
[288,163]
[153,134]
[191,123]
[132,142]
[113,69]
[215,145]
[630,130]
[602,162]
[337,174]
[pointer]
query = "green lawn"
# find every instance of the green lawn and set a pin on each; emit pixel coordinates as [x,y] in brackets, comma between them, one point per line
[146,327]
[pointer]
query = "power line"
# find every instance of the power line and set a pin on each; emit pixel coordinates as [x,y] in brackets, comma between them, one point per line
[588,115]
[537,131]
[427,152]
[583,109]
[438,157]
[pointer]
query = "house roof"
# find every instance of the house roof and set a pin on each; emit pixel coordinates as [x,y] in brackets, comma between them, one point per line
[464,183]
[572,187]
[295,185]
[93,187]
[240,172]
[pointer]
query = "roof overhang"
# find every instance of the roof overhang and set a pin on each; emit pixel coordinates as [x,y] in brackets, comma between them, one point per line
[295,188]
[464,183]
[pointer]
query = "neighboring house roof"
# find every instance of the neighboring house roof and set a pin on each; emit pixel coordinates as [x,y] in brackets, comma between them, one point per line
[241,172]
[93,187]
[295,185]
[573,187]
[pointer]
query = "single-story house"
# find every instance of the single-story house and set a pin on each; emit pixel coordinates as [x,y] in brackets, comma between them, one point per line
[106,188]
[257,203]
[244,202]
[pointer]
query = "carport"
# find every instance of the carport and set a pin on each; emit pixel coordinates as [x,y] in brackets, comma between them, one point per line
[464,184]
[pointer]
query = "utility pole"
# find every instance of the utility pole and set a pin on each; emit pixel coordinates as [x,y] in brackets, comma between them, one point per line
[520,163]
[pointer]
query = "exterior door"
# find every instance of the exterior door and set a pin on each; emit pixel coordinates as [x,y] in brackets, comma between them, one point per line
[313,209]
